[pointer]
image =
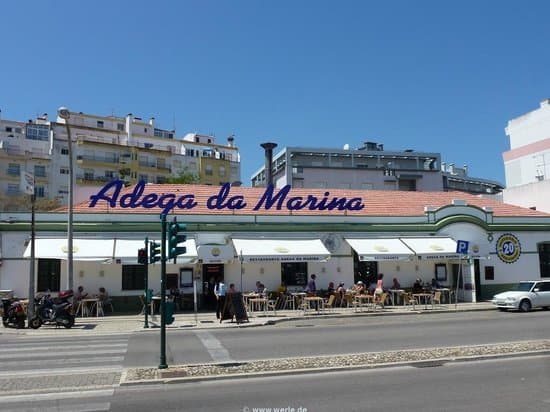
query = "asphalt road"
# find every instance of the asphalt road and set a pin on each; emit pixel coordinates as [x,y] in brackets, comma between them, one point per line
[519,384]
[339,336]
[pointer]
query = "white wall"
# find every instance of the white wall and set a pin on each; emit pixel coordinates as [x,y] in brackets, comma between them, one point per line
[529,195]
[531,127]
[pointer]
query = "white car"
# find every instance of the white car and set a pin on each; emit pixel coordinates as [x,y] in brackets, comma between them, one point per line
[527,295]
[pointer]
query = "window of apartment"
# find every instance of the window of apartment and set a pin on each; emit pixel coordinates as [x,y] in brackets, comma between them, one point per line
[110,174]
[389,185]
[544,259]
[160,179]
[64,151]
[222,171]
[64,170]
[133,277]
[37,132]
[14,169]
[366,186]
[63,190]
[298,183]
[208,170]
[88,174]
[143,161]
[39,191]
[120,127]
[344,186]
[13,189]
[145,178]
[40,171]
[8,129]
[49,275]
[17,130]
[145,129]
[100,124]
[319,185]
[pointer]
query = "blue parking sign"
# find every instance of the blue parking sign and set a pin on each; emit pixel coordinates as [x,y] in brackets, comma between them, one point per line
[462,247]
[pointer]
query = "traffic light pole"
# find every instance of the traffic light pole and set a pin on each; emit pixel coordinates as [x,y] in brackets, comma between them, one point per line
[162,364]
[146,283]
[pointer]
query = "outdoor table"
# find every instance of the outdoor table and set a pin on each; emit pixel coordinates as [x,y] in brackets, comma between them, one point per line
[445,293]
[258,304]
[316,300]
[423,296]
[362,301]
[297,299]
[395,296]
[87,305]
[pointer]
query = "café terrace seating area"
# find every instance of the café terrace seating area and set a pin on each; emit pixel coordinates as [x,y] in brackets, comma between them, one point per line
[274,303]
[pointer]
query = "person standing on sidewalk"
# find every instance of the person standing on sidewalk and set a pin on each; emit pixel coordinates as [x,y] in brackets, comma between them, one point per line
[220,290]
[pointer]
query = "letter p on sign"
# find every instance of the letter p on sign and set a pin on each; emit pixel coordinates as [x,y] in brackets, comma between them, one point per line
[462,247]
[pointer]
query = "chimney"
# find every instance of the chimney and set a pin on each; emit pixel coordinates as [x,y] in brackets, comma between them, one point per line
[268,147]
[230,140]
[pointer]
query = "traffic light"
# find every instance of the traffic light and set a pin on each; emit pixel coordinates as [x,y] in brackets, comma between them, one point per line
[174,239]
[142,256]
[154,251]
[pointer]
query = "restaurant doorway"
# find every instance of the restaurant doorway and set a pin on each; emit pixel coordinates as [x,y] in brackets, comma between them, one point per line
[210,272]
[477,279]
[366,272]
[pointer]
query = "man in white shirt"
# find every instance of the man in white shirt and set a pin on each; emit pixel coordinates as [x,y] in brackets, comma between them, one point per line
[219,290]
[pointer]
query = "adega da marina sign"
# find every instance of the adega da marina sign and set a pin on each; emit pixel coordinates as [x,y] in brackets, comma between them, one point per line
[270,199]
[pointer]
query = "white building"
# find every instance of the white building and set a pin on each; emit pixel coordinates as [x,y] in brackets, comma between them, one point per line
[527,163]
[236,233]
[106,148]
[370,167]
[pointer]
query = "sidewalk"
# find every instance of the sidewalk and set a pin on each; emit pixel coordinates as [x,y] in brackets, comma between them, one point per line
[90,326]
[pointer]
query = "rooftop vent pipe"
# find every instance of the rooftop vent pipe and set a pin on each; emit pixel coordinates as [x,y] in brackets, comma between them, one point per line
[268,147]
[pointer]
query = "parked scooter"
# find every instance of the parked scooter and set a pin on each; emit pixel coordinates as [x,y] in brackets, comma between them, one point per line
[58,311]
[14,313]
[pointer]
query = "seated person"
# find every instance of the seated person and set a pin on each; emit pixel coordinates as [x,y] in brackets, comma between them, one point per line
[103,296]
[282,290]
[417,286]
[80,294]
[259,287]
[396,284]
[232,288]
[359,287]
[330,288]
[340,292]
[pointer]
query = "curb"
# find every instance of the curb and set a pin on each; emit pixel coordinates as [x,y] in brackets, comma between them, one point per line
[420,363]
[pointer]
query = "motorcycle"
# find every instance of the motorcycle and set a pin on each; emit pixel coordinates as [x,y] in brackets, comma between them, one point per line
[14,313]
[52,311]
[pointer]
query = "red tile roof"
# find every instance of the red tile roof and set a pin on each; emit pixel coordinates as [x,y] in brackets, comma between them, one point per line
[377,203]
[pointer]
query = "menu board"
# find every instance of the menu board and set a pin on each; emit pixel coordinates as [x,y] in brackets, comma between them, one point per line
[234,307]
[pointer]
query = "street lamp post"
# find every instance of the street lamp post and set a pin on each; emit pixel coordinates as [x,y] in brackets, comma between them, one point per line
[64,113]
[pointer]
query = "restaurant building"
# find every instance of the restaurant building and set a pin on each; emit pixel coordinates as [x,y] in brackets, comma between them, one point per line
[245,234]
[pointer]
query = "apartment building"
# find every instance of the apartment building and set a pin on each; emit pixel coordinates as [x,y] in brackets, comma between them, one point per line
[527,163]
[106,148]
[369,167]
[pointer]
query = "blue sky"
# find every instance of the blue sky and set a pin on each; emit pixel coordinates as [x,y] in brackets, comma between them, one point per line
[426,75]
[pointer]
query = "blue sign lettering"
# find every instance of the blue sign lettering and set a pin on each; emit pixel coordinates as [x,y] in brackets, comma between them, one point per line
[167,202]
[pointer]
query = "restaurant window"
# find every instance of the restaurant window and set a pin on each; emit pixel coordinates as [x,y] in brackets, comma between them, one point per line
[364,271]
[48,278]
[294,273]
[544,259]
[133,277]
[489,273]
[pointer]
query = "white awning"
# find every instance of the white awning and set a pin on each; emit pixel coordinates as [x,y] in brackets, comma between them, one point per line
[126,251]
[281,250]
[83,249]
[432,248]
[380,249]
